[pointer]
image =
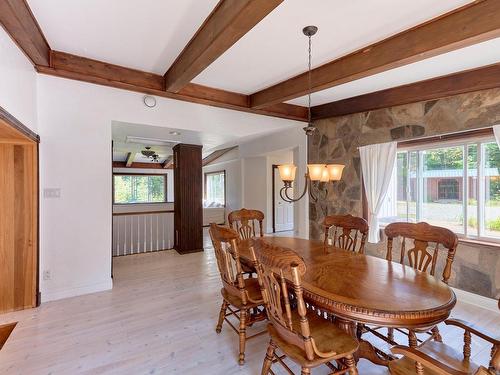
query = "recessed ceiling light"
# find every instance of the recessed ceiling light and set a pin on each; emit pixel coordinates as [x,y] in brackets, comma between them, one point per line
[173,132]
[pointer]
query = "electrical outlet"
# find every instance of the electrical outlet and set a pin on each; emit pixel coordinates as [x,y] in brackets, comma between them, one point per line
[46,275]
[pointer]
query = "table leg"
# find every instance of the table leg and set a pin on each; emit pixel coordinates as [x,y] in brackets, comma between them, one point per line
[365,350]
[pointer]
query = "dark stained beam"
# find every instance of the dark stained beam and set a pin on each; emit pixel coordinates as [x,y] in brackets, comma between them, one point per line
[130,159]
[18,21]
[483,78]
[216,155]
[122,164]
[471,24]
[169,162]
[87,70]
[228,22]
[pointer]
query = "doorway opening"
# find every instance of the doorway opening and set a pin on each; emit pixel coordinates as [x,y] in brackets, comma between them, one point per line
[282,211]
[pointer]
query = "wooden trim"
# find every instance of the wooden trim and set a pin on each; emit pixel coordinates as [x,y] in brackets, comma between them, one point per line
[168,163]
[483,132]
[216,155]
[205,175]
[470,241]
[483,78]
[130,159]
[227,23]
[122,164]
[79,68]
[19,22]
[142,213]
[462,27]
[18,125]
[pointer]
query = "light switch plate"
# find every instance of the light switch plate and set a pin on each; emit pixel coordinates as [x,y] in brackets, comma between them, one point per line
[52,193]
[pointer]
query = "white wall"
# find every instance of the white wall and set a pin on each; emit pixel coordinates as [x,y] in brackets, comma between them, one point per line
[255,184]
[292,139]
[74,123]
[17,83]
[230,163]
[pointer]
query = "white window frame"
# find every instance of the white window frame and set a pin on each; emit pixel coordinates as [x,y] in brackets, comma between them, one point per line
[479,141]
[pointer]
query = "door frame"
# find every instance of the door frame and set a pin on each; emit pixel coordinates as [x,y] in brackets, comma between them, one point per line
[273,184]
[27,136]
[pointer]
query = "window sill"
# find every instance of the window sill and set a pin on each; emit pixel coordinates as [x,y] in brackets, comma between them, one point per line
[469,241]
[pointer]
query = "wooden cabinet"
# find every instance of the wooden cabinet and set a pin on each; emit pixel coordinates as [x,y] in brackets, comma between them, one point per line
[188,191]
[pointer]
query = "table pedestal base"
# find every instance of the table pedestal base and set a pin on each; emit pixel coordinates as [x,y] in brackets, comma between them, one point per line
[366,350]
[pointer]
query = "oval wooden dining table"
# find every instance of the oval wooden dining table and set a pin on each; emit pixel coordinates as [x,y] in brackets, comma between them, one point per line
[358,288]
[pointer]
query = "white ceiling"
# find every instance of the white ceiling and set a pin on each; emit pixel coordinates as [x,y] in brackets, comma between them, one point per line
[276,49]
[141,34]
[122,146]
[481,54]
[149,35]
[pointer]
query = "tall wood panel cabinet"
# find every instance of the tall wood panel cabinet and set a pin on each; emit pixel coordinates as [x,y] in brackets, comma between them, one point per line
[188,191]
[18,217]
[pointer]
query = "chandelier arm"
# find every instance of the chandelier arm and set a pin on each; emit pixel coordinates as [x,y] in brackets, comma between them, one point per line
[313,197]
[284,192]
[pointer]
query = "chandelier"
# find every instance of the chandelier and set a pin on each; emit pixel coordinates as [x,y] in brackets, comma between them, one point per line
[315,172]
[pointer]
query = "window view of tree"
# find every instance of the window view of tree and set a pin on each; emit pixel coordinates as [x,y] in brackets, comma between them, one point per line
[139,188]
[456,187]
[215,188]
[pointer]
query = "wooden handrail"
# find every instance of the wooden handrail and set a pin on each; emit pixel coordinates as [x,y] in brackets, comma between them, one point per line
[142,213]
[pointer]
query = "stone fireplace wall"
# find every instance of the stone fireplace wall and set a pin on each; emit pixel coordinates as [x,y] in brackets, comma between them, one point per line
[477,267]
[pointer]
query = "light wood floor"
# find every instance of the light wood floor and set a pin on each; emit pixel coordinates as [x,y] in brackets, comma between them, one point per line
[158,319]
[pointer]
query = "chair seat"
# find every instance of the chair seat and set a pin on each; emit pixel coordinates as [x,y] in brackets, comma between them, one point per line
[253,288]
[440,352]
[327,336]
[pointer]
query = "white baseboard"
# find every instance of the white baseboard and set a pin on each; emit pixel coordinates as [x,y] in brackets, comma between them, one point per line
[477,300]
[77,291]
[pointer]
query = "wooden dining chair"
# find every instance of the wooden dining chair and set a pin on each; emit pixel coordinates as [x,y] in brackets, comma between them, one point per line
[349,232]
[241,296]
[426,242]
[246,221]
[307,339]
[441,359]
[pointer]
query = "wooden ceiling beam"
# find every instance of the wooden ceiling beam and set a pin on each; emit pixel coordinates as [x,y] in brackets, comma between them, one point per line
[18,21]
[471,24]
[122,164]
[216,155]
[130,159]
[87,70]
[228,22]
[169,162]
[483,78]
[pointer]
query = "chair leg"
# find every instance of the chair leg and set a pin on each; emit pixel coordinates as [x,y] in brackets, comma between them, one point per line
[242,333]
[305,371]
[412,339]
[436,335]
[351,365]
[268,360]
[390,334]
[222,314]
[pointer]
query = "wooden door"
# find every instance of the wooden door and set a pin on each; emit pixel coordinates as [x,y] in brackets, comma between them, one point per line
[18,220]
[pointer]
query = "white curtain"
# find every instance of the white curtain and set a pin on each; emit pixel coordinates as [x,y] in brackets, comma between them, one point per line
[377,165]
[496,131]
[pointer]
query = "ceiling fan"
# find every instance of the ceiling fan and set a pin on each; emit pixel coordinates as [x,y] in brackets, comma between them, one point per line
[150,154]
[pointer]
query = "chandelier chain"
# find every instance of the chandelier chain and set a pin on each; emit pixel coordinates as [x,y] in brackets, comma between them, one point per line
[309,82]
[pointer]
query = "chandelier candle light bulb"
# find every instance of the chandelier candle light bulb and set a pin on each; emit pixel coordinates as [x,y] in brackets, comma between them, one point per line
[287,172]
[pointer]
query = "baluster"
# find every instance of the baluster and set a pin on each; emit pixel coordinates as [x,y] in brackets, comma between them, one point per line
[467,342]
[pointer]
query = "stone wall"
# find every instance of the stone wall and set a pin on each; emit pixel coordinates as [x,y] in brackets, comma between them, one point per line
[476,267]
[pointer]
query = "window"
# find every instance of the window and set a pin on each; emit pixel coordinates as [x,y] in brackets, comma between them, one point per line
[456,186]
[448,188]
[135,188]
[215,188]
